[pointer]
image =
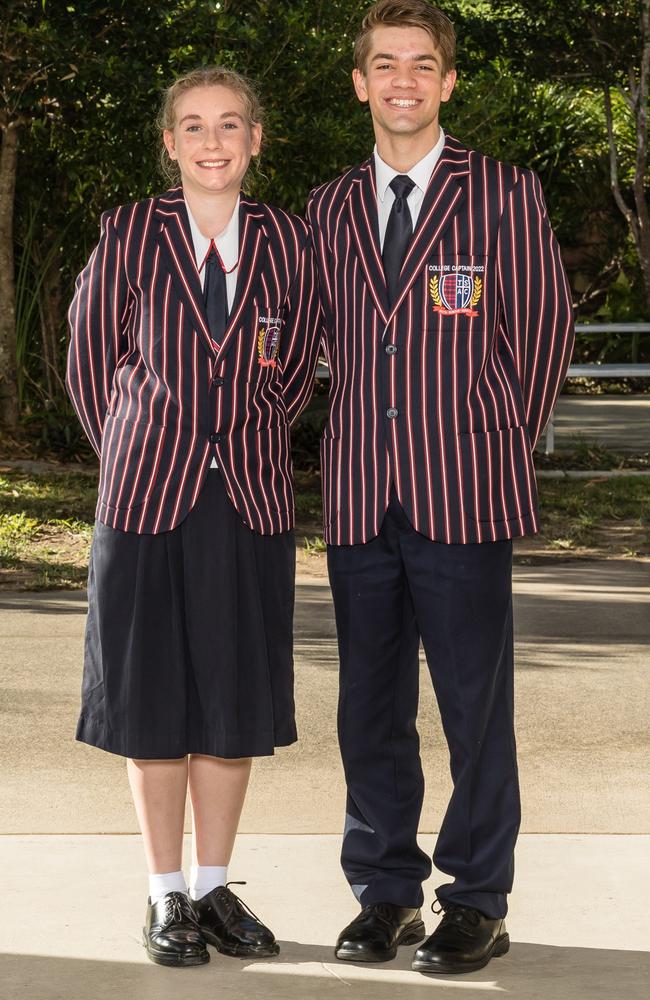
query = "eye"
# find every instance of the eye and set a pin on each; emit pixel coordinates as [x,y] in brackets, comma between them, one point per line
[230,125]
[193,128]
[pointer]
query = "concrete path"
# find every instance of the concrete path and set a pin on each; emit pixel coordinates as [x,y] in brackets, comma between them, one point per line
[73,909]
[583,705]
[74,901]
[620,423]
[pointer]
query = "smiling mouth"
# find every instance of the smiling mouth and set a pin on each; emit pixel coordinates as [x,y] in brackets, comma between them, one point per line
[212,164]
[403,103]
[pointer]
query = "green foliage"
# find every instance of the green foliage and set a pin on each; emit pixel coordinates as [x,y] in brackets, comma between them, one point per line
[85,78]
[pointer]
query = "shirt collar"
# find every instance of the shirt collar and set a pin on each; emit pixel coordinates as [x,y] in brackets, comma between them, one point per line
[227,241]
[420,174]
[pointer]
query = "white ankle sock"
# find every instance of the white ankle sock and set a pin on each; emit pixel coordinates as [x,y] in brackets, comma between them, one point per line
[167,882]
[205,878]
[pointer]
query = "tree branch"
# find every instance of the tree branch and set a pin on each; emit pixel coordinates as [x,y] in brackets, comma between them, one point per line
[641,165]
[613,161]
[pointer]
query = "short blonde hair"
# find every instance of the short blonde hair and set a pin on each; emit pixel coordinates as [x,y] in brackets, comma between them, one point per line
[407,14]
[204,76]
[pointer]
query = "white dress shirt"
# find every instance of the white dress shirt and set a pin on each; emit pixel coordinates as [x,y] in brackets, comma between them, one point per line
[420,174]
[227,244]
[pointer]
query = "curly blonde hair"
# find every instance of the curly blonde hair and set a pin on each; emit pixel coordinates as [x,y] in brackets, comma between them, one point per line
[204,76]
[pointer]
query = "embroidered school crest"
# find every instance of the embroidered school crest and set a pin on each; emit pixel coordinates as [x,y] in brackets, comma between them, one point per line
[268,340]
[456,289]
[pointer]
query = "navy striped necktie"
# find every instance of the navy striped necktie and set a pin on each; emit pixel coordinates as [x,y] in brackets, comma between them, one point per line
[399,232]
[215,294]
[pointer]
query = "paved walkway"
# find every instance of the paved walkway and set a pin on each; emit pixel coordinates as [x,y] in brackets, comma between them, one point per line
[620,423]
[73,899]
[583,704]
[73,909]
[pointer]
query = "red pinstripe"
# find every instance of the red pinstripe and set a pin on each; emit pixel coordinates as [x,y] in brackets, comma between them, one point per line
[141,363]
[473,392]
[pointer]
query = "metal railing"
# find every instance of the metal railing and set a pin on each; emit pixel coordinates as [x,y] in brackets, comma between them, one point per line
[631,369]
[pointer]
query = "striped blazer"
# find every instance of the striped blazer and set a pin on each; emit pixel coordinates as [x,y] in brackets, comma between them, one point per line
[158,398]
[445,394]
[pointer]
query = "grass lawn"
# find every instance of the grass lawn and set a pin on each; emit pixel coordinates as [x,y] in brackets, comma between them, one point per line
[46,523]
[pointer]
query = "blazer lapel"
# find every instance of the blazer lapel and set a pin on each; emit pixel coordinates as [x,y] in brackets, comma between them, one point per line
[175,241]
[362,214]
[253,251]
[443,198]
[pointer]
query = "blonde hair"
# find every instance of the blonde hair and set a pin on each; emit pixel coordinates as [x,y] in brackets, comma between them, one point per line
[204,76]
[407,14]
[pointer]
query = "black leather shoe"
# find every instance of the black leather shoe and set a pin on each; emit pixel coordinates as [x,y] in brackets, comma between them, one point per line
[171,934]
[465,940]
[228,924]
[374,935]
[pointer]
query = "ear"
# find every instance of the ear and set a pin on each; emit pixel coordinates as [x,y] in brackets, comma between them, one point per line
[170,145]
[448,82]
[359,81]
[256,139]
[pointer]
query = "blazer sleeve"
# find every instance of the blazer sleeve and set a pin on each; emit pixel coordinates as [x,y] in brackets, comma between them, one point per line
[535,299]
[97,318]
[301,336]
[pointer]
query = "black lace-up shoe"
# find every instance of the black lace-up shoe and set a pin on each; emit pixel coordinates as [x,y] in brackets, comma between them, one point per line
[228,924]
[374,935]
[465,940]
[171,934]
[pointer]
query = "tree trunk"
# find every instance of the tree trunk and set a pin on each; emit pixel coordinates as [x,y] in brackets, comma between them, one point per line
[8,372]
[50,305]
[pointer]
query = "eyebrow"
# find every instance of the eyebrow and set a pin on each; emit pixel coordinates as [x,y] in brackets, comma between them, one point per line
[428,57]
[225,114]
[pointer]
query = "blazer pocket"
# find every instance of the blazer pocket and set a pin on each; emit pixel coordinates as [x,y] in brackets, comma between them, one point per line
[128,466]
[269,461]
[498,473]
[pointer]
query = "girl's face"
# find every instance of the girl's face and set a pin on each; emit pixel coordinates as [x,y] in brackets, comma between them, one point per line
[212,140]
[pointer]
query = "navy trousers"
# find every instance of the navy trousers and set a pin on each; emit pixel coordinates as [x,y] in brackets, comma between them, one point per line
[388,593]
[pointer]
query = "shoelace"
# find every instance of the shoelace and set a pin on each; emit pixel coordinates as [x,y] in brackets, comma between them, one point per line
[235,902]
[459,915]
[177,909]
[382,911]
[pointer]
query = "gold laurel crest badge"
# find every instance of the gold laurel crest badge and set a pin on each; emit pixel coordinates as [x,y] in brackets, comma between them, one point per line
[467,291]
[268,342]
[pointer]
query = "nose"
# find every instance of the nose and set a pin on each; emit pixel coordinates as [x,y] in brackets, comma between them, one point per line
[403,77]
[213,139]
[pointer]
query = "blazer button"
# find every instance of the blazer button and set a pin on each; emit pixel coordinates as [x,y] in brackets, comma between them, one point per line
[215,438]
[391,413]
[218,381]
[391,349]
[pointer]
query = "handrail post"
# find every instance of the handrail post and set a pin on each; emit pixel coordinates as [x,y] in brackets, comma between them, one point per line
[549,446]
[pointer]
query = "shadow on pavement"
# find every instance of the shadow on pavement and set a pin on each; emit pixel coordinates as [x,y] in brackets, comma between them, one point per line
[528,972]
[46,603]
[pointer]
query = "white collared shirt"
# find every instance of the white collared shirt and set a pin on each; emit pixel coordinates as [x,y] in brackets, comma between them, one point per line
[420,174]
[227,244]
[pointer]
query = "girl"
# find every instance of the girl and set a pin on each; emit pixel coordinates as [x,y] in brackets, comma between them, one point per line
[193,347]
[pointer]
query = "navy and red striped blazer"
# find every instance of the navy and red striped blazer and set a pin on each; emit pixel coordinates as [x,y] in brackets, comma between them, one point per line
[158,398]
[445,393]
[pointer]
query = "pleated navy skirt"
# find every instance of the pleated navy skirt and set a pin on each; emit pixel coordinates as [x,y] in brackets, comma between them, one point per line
[189,638]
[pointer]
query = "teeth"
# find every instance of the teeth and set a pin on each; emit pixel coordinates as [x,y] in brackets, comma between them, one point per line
[212,163]
[401,102]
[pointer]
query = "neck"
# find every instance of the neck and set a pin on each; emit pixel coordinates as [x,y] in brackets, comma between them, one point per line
[212,212]
[401,152]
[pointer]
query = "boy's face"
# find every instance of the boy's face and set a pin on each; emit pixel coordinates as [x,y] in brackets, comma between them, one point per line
[403,82]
